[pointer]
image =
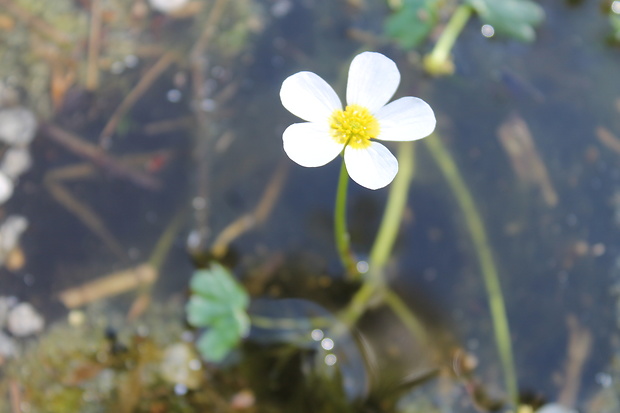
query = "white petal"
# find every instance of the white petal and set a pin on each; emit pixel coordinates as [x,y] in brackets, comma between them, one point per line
[405,119]
[373,79]
[308,96]
[310,144]
[373,167]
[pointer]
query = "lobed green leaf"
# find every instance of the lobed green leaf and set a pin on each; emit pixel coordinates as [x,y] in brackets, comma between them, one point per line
[514,18]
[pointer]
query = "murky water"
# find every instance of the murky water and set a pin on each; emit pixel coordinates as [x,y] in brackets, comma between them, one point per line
[548,196]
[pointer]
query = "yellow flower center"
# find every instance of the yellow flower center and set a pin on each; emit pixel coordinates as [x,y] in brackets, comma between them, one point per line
[353,126]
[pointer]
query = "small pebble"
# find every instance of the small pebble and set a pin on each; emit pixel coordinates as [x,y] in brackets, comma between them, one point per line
[7,346]
[176,366]
[5,305]
[554,408]
[17,126]
[16,161]
[167,6]
[6,188]
[23,320]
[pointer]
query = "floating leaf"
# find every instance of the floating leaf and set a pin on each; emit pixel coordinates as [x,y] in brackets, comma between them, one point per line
[514,18]
[412,22]
[218,303]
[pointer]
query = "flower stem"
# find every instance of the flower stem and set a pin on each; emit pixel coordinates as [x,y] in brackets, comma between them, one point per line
[393,214]
[438,61]
[374,286]
[488,268]
[341,234]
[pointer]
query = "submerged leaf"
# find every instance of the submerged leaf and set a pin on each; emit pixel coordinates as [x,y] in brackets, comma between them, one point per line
[219,303]
[514,18]
[615,24]
[410,24]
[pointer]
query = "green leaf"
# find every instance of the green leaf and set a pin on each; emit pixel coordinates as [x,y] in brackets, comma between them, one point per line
[203,313]
[410,25]
[218,284]
[219,303]
[514,18]
[223,336]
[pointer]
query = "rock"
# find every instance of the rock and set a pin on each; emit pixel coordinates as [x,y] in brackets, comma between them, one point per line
[5,305]
[555,408]
[24,320]
[6,188]
[167,6]
[7,346]
[10,232]
[181,365]
[16,161]
[17,126]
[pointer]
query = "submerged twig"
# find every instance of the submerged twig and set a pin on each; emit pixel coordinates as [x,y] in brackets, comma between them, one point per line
[252,219]
[156,260]
[99,157]
[94,43]
[110,285]
[85,214]
[517,141]
[579,348]
[136,93]
[608,139]
[215,15]
[168,125]
[15,396]
[87,170]
[204,140]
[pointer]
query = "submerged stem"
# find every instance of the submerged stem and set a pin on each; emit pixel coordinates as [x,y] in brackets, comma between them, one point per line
[341,234]
[476,229]
[438,61]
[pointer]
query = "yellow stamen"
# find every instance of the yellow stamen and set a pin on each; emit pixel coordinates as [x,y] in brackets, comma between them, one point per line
[354,126]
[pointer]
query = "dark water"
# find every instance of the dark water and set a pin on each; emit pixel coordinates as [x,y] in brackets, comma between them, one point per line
[554,260]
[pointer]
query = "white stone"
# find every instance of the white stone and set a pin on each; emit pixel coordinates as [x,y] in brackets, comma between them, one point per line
[167,6]
[555,408]
[24,320]
[16,161]
[17,126]
[5,305]
[10,232]
[6,188]
[7,346]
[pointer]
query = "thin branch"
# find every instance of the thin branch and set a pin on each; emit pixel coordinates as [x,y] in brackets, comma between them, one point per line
[136,93]
[99,157]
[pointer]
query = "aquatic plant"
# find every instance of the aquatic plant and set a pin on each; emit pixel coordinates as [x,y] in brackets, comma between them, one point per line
[373,79]
[413,20]
[219,303]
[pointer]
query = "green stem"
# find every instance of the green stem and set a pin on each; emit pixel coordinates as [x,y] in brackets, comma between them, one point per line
[272,323]
[488,268]
[438,62]
[381,250]
[341,234]
[396,203]
[411,322]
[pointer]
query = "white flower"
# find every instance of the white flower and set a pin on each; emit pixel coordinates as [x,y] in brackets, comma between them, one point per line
[373,79]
